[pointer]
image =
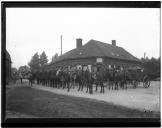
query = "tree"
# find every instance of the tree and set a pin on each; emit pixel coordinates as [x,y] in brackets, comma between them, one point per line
[152,66]
[55,57]
[14,74]
[34,63]
[24,71]
[43,59]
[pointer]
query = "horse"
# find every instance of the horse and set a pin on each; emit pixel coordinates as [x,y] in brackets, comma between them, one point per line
[122,79]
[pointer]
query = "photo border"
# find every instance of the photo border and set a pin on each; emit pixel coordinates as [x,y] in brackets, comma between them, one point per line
[44,122]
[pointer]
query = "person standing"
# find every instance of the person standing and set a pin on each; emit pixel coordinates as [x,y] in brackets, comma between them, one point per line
[20,76]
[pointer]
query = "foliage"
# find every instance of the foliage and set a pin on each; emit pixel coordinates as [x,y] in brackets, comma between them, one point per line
[152,66]
[13,70]
[24,71]
[14,73]
[54,58]
[34,63]
[43,59]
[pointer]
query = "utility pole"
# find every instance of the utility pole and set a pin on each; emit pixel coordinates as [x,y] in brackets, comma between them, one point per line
[61,45]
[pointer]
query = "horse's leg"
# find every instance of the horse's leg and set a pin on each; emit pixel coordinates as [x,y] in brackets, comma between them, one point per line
[90,88]
[68,86]
[115,85]
[103,89]
[63,84]
[126,85]
[82,84]
[79,86]
[55,83]
[47,83]
[123,84]
[112,85]
[74,84]
[118,83]
[31,83]
[87,87]
[44,82]
[109,85]
[52,83]
[71,84]
[58,84]
[96,86]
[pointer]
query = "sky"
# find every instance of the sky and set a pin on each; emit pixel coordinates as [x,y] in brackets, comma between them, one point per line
[31,30]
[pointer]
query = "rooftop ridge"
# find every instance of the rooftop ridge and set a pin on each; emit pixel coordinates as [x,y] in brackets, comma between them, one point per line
[104,43]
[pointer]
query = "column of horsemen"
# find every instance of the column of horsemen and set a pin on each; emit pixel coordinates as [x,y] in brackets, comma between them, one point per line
[82,77]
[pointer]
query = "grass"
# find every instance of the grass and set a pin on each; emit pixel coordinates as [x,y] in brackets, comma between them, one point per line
[39,103]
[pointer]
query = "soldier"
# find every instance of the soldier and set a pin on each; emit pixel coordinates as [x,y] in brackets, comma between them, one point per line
[20,76]
[80,79]
[30,78]
[88,80]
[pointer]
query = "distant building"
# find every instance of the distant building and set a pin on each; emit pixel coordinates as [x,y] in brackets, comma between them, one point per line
[96,53]
[8,67]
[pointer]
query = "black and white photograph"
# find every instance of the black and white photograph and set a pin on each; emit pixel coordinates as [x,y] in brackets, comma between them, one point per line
[71,62]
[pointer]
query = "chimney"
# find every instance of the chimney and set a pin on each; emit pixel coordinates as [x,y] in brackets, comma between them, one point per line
[114,42]
[78,43]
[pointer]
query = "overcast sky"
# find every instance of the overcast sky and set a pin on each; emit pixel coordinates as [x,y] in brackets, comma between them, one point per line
[31,30]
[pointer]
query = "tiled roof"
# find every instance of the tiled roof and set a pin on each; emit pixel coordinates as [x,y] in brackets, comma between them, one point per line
[95,48]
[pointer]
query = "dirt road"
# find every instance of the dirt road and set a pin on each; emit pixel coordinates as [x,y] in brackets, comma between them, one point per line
[146,99]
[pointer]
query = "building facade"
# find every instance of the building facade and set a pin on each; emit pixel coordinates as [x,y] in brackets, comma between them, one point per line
[8,67]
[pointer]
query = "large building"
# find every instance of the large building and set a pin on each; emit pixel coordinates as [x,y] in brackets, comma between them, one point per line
[96,52]
[8,67]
